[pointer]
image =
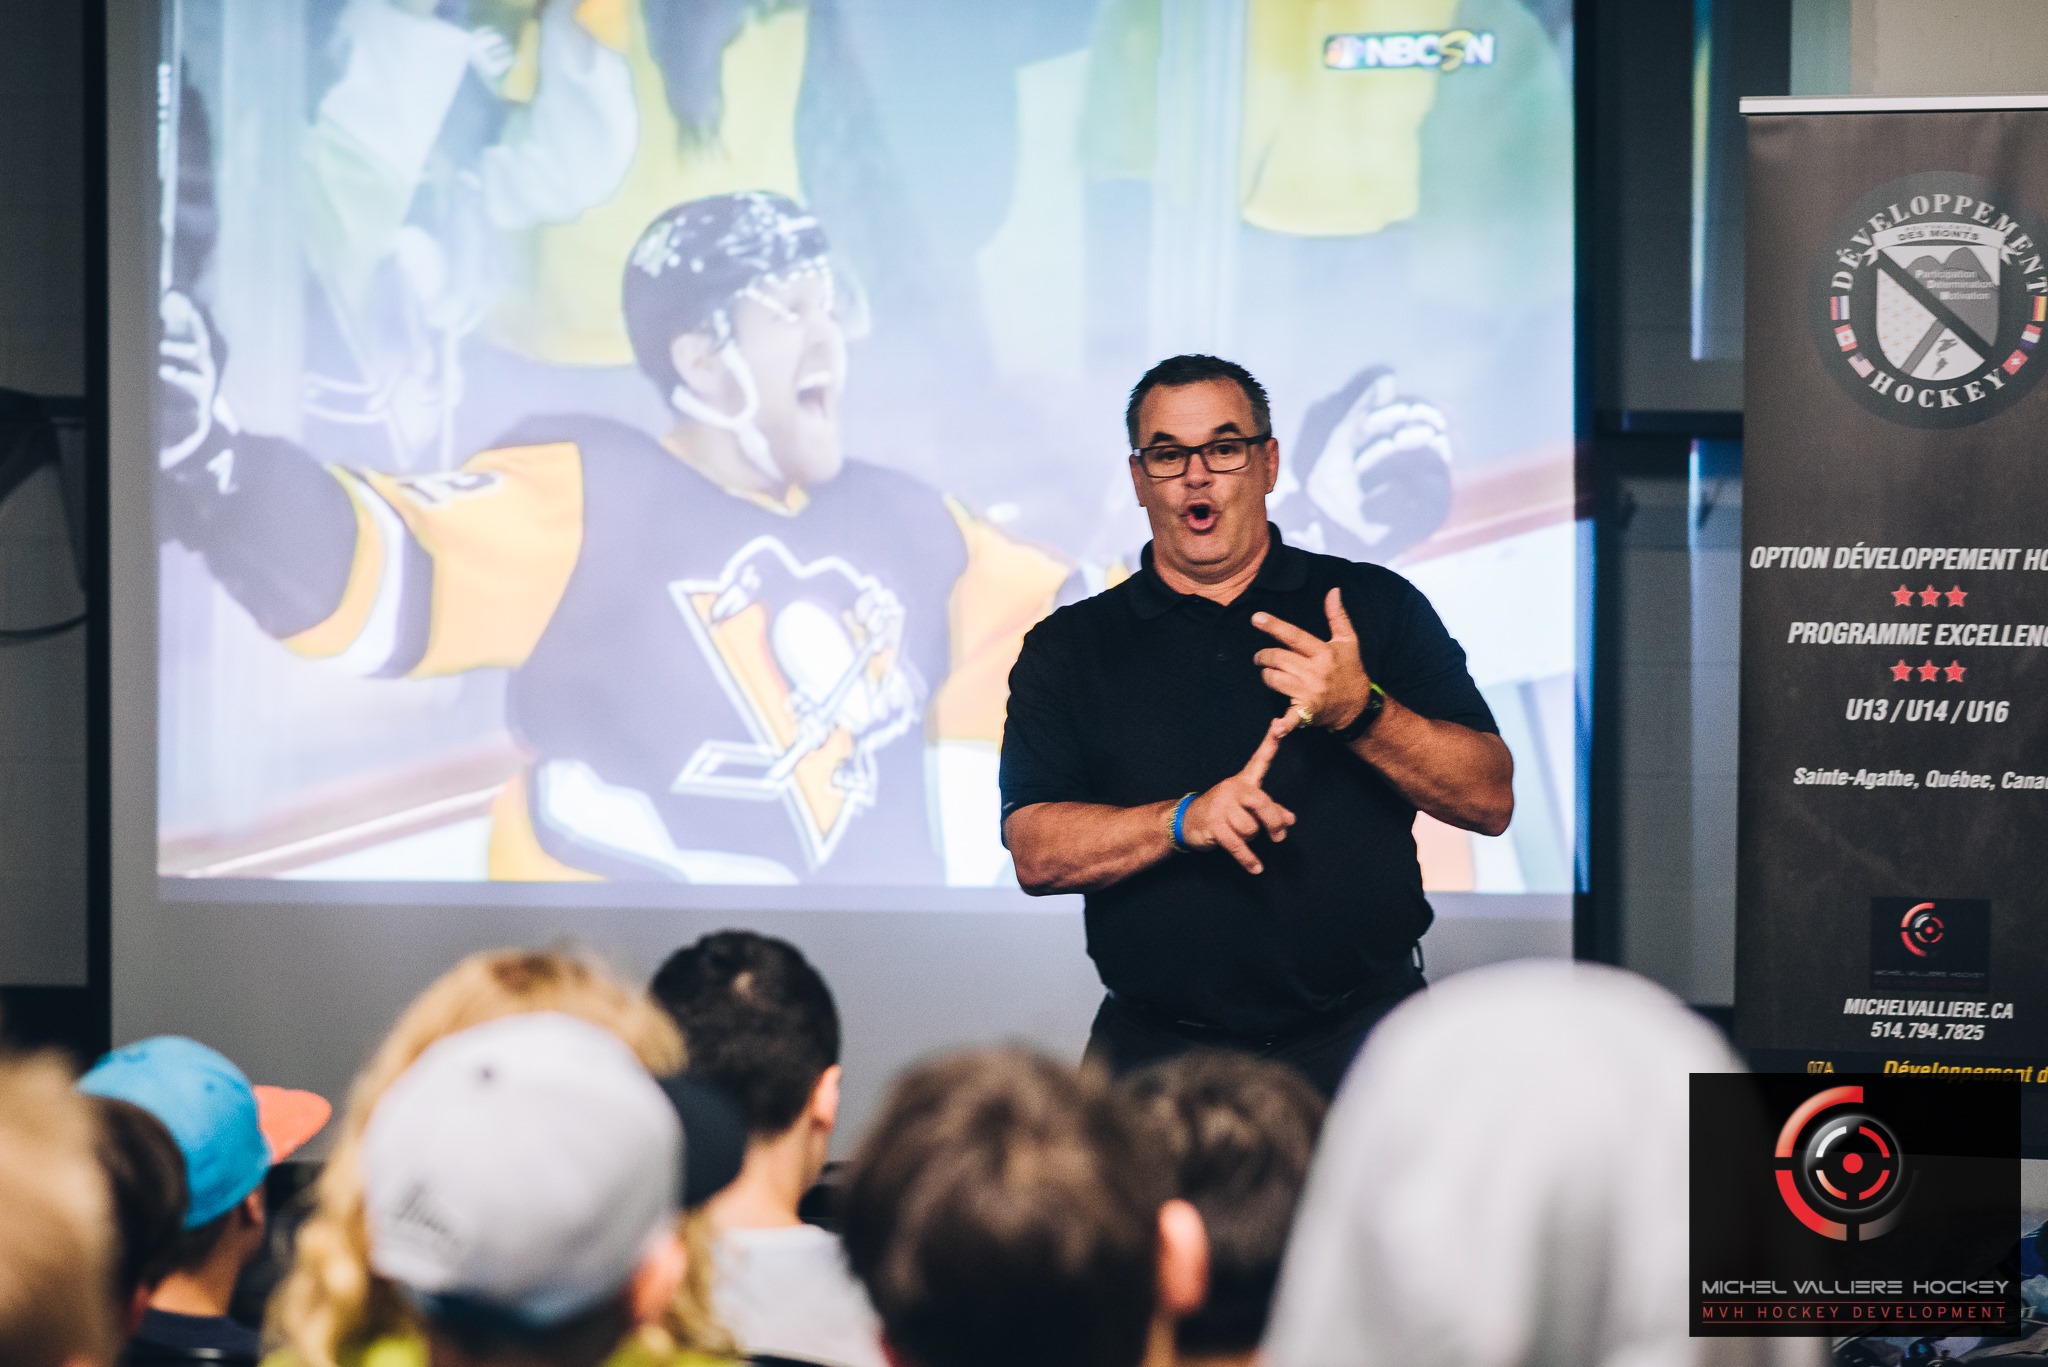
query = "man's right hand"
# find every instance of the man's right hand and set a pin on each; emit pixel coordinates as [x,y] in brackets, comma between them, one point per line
[1237,810]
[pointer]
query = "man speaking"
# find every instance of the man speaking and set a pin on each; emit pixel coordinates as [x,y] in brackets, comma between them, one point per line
[1226,752]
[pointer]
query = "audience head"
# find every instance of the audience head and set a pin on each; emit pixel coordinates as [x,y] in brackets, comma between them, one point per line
[1537,1110]
[521,1185]
[1236,1133]
[333,1301]
[760,1024]
[55,1258]
[1002,1213]
[228,1132]
[146,1187]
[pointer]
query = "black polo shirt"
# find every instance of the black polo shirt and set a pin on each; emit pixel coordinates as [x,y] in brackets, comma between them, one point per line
[1140,694]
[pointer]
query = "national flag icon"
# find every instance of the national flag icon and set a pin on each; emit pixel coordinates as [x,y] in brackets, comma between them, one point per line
[1846,336]
[2041,308]
[1838,307]
[2030,334]
[2014,362]
[1861,365]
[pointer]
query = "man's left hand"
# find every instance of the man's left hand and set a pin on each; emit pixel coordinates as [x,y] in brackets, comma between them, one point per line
[1323,679]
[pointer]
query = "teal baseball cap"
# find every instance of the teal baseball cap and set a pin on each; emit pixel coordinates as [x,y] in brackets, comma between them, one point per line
[229,1131]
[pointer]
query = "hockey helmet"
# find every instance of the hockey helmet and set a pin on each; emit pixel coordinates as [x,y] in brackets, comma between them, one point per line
[694,260]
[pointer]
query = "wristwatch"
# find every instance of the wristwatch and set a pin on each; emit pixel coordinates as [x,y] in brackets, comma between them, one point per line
[1375,703]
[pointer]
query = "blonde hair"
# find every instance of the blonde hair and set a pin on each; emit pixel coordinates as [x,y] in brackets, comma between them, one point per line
[332,1305]
[56,1280]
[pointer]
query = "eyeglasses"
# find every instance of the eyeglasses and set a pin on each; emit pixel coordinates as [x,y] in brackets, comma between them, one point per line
[1220,457]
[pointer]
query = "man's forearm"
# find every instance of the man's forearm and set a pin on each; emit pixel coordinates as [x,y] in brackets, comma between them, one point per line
[1461,777]
[1083,846]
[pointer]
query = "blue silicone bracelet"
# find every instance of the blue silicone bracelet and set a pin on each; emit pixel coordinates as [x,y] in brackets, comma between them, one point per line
[1178,813]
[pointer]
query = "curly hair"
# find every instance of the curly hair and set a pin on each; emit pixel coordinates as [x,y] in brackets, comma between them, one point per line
[331,1305]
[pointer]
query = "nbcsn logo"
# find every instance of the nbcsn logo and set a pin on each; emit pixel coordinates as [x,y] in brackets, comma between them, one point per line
[1402,51]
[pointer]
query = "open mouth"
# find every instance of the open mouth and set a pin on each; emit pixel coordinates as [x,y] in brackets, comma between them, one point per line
[815,392]
[1200,516]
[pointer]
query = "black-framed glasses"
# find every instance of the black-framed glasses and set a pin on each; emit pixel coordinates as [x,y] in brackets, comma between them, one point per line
[1224,456]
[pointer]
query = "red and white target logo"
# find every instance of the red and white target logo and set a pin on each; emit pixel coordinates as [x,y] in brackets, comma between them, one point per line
[1922,930]
[1840,1168]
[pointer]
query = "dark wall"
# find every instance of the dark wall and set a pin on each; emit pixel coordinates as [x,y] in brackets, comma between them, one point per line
[46,127]
[1638,57]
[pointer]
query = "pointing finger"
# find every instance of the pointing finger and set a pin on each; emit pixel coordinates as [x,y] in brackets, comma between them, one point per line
[1287,633]
[1262,758]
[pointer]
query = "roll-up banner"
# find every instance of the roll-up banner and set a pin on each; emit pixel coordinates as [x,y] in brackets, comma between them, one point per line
[1893,881]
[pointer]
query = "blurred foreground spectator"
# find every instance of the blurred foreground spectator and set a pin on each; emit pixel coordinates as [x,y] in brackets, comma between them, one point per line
[335,1309]
[146,1189]
[522,1185]
[55,1254]
[229,1133]
[1502,1183]
[1235,1134]
[1003,1213]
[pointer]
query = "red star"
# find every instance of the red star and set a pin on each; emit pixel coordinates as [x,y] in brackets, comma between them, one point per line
[1928,671]
[1954,670]
[1902,597]
[1956,596]
[1930,596]
[1901,672]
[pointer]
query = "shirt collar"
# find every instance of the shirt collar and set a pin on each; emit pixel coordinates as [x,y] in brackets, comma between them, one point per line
[1284,570]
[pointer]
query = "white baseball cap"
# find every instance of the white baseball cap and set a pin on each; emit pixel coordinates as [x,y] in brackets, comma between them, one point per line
[525,1167]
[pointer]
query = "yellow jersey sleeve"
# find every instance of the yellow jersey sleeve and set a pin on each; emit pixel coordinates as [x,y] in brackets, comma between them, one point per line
[454,571]
[1006,588]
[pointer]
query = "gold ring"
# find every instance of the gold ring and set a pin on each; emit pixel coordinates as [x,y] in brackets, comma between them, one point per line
[1306,713]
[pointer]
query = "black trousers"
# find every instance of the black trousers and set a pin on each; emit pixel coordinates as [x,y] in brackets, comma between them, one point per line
[1126,1037]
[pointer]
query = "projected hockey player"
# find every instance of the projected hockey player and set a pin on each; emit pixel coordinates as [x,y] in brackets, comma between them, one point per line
[736,655]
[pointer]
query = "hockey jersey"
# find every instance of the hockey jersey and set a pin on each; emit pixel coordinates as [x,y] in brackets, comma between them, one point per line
[712,688]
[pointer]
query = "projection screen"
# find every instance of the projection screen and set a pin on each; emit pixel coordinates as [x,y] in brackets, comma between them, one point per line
[582,468]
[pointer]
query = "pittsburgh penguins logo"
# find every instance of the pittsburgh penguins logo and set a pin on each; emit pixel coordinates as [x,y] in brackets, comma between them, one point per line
[1930,303]
[1840,1169]
[811,656]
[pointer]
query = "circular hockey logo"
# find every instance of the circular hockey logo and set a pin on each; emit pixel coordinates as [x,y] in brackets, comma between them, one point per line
[1922,931]
[1930,305]
[1840,1169]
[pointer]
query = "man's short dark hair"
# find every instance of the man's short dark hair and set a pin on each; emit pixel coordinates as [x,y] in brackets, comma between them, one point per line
[1001,1214]
[146,1186]
[758,1021]
[1236,1133]
[1175,371]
